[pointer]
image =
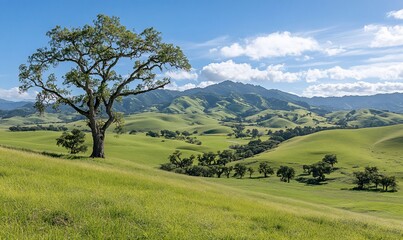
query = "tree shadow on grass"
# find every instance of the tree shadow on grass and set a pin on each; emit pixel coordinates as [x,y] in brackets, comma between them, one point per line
[61,155]
[310,181]
[45,153]
[367,189]
[259,177]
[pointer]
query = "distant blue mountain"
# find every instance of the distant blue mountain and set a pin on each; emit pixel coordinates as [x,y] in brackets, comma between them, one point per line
[10,105]
[251,95]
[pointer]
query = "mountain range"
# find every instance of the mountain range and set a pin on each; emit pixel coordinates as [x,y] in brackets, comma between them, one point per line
[234,98]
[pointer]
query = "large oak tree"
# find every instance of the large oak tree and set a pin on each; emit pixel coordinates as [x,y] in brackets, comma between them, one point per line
[90,82]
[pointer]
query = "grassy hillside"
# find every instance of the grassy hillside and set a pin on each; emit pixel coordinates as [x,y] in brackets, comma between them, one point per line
[134,198]
[355,149]
[115,198]
[365,118]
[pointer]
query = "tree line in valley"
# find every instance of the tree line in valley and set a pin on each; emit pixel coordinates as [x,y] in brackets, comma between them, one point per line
[37,128]
[177,135]
[216,164]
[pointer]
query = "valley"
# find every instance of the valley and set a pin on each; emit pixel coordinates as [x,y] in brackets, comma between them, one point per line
[132,165]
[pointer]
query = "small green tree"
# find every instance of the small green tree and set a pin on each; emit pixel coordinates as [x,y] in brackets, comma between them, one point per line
[255,133]
[238,130]
[73,141]
[240,170]
[319,170]
[373,175]
[286,173]
[179,162]
[225,157]
[207,159]
[251,171]
[330,158]
[362,179]
[228,170]
[265,169]
[218,170]
[307,169]
[387,181]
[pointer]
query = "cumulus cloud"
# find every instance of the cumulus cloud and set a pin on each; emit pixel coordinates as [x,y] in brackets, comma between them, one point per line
[174,86]
[386,71]
[385,36]
[181,75]
[277,44]
[333,51]
[13,94]
[244,72]
[352,89]
[395,14]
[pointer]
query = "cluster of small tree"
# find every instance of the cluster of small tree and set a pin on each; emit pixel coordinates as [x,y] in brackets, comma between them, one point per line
[215,164]
[168,134]
[284,172]
[209,164]
[239,132]
[253,147]
[371,178]
[282,135]
[266,117]
[38,128]
[319,169]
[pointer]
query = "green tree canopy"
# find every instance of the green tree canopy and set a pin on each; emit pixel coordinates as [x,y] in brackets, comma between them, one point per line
[73,141]
[265,169]
[330,158]
[286,173]
[91,84]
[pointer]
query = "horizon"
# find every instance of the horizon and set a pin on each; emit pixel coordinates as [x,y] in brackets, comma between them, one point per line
[307,49]
[255,85]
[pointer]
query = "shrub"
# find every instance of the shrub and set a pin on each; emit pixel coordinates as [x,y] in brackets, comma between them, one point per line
[73,141]
[201,171]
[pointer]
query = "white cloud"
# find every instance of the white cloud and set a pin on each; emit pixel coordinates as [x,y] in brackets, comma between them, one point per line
[385,36]
[277,44]
[205,84]
[351,89]
[174,86]
[395,14]
[385,71]
[312,75]
[334,51]
[181,75]
[13,94]
[244,72]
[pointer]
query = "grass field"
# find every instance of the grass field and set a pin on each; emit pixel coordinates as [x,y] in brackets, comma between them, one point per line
[126,196]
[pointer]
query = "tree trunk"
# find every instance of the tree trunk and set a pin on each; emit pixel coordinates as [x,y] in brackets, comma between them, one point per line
[98,144]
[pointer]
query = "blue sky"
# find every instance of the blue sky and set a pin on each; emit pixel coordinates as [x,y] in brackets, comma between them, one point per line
[310,48]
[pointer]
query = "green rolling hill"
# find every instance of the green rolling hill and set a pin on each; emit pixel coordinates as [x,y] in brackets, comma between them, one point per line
[56,197]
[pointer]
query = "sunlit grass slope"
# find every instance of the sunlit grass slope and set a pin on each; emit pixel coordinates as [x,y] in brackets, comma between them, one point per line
[355,149]
[50,198]
[137,148]
[190,122]
[136,158]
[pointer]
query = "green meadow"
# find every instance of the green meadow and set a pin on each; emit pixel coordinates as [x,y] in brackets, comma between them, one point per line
[126,196]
